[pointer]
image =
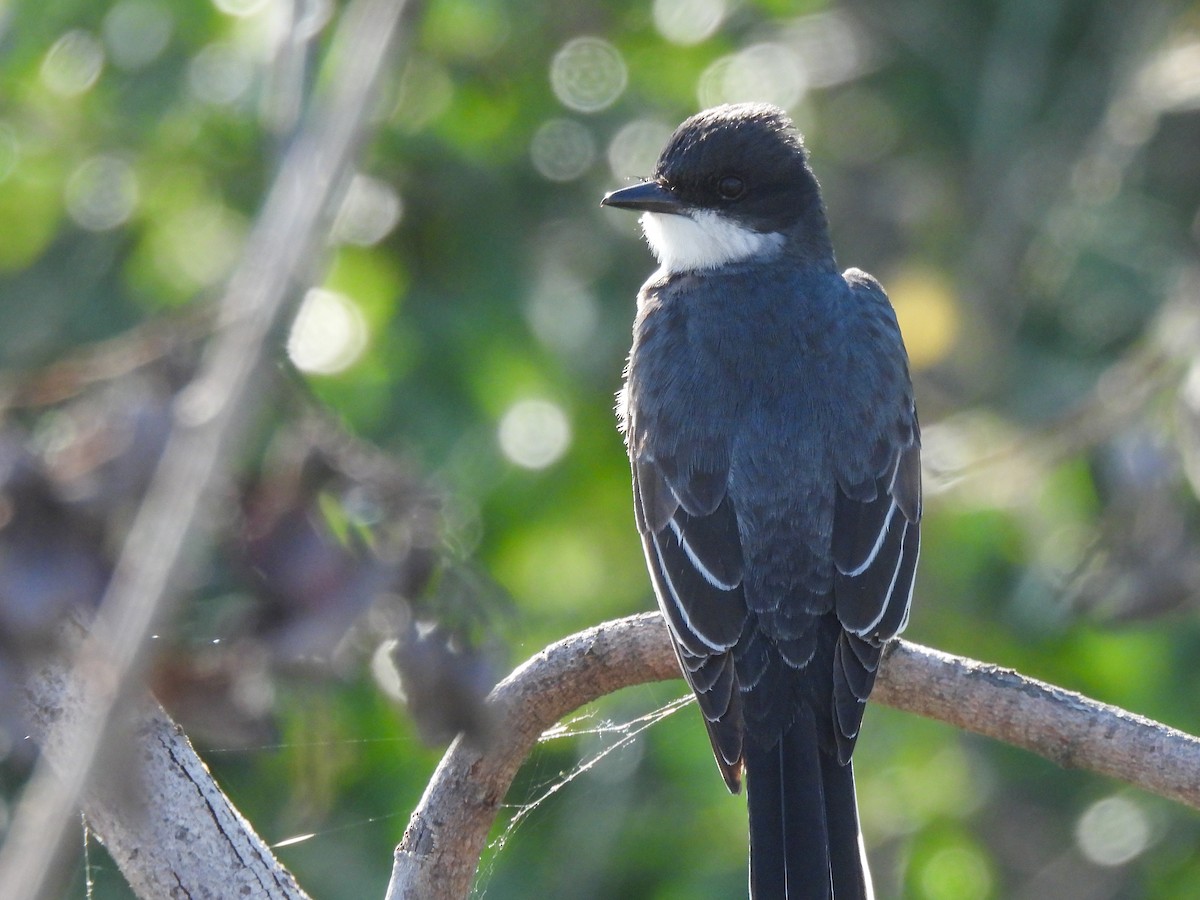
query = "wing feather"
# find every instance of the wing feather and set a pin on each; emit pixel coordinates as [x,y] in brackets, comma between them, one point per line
[694,556]
[876,542]
[706,540]
[875,546]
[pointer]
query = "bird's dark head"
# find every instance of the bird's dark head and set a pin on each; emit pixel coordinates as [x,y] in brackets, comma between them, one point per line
[733,182]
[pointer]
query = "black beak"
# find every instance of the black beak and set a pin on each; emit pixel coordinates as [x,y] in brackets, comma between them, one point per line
[649,196]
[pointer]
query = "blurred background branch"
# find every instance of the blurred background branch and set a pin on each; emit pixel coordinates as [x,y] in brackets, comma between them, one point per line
[208,420]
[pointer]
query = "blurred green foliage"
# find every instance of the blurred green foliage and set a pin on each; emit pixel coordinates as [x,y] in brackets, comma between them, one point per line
[1022,176]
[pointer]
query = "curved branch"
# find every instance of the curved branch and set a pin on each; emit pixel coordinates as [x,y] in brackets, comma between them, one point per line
[440,850]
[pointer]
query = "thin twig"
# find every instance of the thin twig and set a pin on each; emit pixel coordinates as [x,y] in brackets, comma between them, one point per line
[210,417]
[440,850]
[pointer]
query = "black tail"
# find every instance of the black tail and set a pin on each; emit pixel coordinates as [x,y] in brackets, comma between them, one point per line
[804,838]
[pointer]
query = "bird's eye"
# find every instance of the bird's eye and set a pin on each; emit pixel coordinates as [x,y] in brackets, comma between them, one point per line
[731,187]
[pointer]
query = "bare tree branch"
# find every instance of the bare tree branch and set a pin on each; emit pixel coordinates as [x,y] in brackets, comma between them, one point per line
[440,850]
[162,818]
[210,417]
[1067,728]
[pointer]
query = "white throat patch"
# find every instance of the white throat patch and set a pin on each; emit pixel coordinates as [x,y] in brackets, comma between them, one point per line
[702,240]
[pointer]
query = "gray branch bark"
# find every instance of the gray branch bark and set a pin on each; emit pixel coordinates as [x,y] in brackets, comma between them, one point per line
[440,850]
[173,833]
[157,809]
[1069,729]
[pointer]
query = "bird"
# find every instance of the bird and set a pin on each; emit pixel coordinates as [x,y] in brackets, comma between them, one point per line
[770,421]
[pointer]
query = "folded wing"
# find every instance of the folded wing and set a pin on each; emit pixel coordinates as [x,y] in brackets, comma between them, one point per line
[690,536]
[876,542]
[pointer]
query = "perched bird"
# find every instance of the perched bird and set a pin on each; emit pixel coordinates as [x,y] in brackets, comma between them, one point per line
[770,423]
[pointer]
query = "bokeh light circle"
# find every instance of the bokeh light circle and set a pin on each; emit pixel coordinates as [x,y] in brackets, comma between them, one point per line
[101,193]
[220,74]
[562,149]
[534,433]
[73,64]
[767,73]
[687,22]
[634,149]
[137,32]
[370,211]
[1113,831]
[240,9]
[957,872]
[588,74]
[329,334]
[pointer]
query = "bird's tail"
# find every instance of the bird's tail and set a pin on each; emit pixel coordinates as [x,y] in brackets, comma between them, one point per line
[805,842]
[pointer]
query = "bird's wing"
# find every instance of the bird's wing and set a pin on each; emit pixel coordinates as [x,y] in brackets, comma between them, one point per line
[690,535]
[876,541]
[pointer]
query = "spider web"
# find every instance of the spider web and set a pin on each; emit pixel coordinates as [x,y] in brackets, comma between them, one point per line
[620,735]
